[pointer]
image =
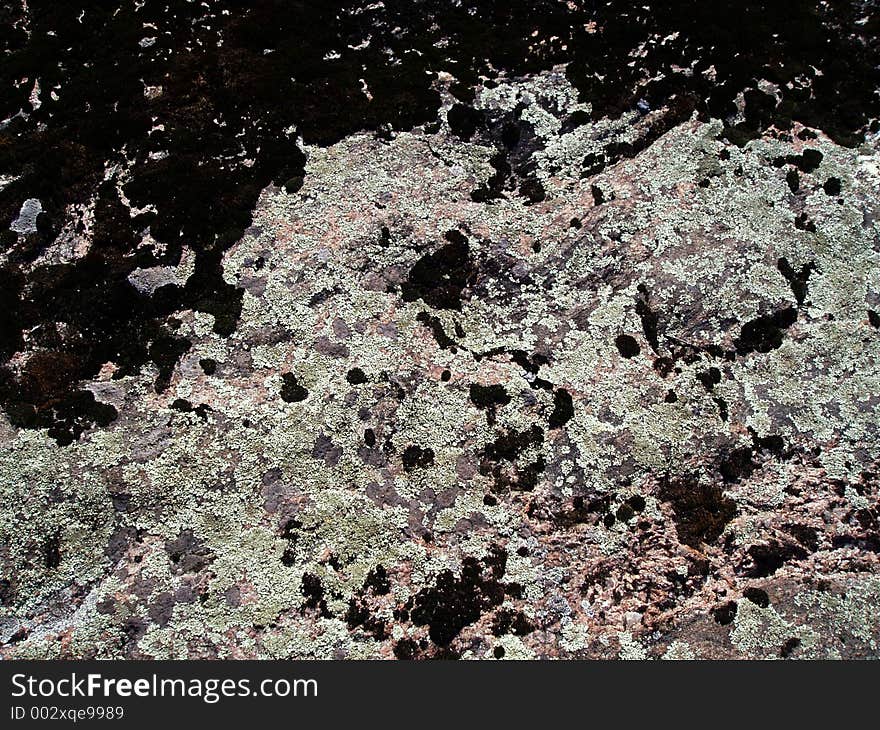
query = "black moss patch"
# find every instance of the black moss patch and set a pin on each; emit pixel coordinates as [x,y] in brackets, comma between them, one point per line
[356,376]
[503,459]
[765,560]
[52,551]
[725,613]
[807,162]
[805,535]
[789,647]
[456,601]
[710,378]
[406,649]
[184,406]
[627,346]
[701,511]
[758,596]
[377,581]
[563,409]
[208,365]
[436,326]
[832,186]
[291,390]
[358,615]
[416,457]
[439,278]
[508,621]
[797,280]
[488,397]
[650,318]
[803,223]
[737,465]
[312,590]
[515,143]
[765,333]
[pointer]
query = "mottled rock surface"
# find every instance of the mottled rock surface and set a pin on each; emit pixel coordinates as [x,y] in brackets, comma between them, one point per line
[440,330]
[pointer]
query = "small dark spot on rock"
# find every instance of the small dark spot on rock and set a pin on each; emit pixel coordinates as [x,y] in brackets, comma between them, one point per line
[627,346]
[377,581]
[209,366]
[767,559]
[797,280]
[488,396]
[789,647]
[406,649]
[291,390]
[637,502]
[757,596]
[440,278]
[563,409]
[765,333]
[710,378]
[52,551]
[832,186]
[725,613]
[737,465]
[356,376]
[701,511]
[416,457]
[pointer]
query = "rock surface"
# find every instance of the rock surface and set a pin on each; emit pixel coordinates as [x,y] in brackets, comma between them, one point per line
[445,330]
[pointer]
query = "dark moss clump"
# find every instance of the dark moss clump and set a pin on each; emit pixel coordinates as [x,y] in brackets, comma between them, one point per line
[439,278]
[291,390]
[701,511]
[456,601]
[563,409]
[488,396]
[313,591]
[765,333]
[725,613]
[627,346]
[501,457]
[416,457]
[758,596]
[208,365]
[356,376]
